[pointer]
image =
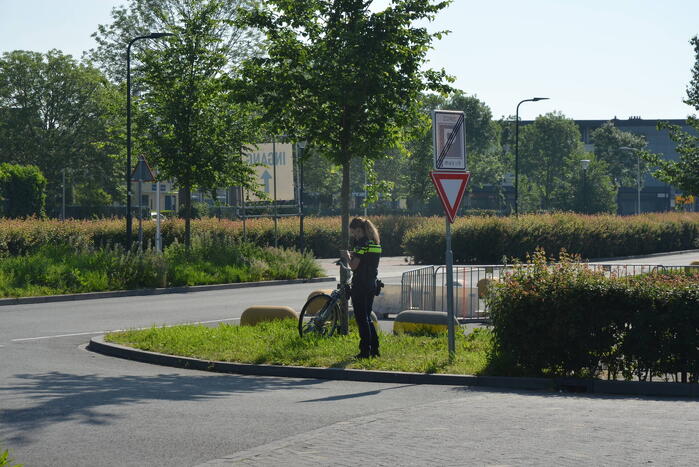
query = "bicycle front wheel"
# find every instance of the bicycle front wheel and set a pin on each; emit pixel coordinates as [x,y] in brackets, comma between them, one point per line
[320,315]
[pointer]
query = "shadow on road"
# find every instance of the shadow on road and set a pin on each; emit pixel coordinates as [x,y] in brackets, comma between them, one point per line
[93,399]
[356,394]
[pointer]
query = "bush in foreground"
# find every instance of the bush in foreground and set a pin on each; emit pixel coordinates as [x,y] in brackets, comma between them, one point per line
[568,320]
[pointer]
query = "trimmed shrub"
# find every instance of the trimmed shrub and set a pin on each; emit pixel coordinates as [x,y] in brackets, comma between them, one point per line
[494,240]
[567,320]
[23,188]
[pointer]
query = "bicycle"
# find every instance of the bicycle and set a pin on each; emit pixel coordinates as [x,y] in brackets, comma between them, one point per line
[321,313]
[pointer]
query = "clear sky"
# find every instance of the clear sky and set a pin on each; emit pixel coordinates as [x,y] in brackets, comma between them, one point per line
[595,59]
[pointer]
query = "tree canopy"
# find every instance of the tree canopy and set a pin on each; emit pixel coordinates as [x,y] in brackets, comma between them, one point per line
[683,173]
[342,77]
[56,113]
[191,124]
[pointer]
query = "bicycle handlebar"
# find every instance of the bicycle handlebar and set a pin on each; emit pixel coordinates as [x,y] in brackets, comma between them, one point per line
[341,262]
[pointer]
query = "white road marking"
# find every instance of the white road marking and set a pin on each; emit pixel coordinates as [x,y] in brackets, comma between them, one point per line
[118,330]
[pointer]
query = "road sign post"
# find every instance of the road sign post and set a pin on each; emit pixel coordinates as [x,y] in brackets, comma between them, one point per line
[142,173]
[450,179]
[450,188]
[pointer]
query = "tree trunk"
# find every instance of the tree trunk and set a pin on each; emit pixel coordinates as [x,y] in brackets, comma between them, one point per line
[187,193]
[345,192]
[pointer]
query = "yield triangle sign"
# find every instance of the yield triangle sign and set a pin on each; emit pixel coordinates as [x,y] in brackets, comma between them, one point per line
[450,188]
[142,173]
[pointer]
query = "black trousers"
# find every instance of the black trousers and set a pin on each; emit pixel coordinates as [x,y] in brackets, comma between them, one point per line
[362,302]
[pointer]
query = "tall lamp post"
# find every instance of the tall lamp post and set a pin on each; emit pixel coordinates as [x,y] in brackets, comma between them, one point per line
[533,99]
[301,146]
[154,35]
[638,175]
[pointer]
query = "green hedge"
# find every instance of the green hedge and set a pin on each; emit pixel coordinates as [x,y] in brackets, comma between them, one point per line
[567,320]
[476,240]
[488,240]
[322,235]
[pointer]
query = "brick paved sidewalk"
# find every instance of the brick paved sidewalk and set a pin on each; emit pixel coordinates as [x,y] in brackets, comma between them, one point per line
[491,428]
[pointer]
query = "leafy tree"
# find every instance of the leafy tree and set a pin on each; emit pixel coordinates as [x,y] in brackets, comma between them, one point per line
[683,173]
[588,191]
[343,78]
[56,114]
[545,146]
[321,178]
[141,17]
[622,163]
[191,123]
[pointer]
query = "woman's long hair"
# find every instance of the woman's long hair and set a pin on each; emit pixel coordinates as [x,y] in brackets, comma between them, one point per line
[370,230]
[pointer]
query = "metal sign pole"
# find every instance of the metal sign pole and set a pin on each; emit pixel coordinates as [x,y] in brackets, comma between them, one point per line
[140,216]
[450,289]
[158,245]
[274,170]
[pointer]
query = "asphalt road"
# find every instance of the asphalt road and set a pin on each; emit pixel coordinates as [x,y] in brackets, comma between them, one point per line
[61,405]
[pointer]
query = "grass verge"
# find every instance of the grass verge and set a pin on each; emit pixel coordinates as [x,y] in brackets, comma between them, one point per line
[61,269]
[278,343]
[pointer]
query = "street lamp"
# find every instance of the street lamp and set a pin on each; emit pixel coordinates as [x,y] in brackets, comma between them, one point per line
[638,175]
[534,99]
[584,163]
[154,35]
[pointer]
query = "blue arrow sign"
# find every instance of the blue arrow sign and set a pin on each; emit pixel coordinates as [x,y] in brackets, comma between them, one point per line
[266,177]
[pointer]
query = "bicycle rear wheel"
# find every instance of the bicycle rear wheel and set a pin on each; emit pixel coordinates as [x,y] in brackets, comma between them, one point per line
[320,315]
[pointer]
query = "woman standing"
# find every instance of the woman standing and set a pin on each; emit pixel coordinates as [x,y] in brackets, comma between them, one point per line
[364,261]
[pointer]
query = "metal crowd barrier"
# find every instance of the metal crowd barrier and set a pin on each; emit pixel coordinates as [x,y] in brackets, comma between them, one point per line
[425,288]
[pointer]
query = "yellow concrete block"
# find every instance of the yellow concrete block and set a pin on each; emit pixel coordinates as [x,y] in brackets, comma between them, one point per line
[257,314]
[319,292]
[419,321]
[315,306]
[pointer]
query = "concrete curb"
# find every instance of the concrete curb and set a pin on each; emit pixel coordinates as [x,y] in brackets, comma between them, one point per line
[159,291]
[637,388]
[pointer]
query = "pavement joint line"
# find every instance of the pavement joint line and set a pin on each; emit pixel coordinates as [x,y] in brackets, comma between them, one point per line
[118,330]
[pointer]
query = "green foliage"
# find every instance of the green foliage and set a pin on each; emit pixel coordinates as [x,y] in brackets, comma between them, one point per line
[588,191]
[89,195]
[485,159]
[23,189]
[545,147]
[489,240]
[141,17]
[622,163]
[6,460]
[568,320]
[341,77]
[57,113]
[683,173]
[278,343]
[192,124]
